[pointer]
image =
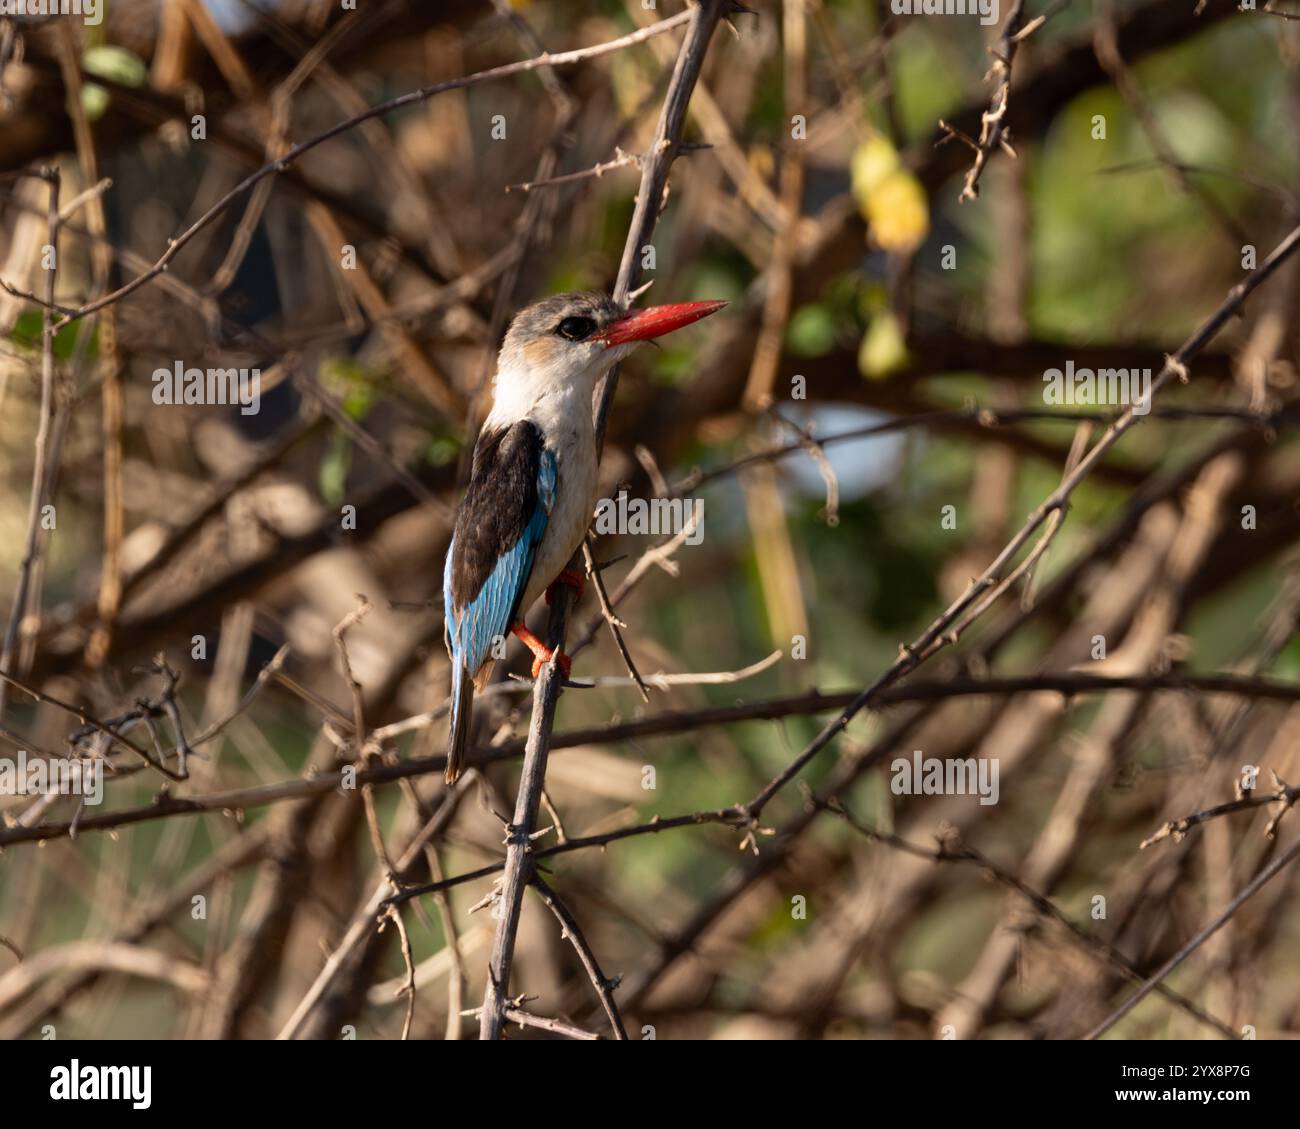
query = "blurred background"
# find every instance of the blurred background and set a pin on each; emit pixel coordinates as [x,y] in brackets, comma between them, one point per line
[864,424]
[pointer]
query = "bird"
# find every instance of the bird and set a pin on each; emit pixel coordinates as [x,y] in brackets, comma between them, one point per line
[533,482]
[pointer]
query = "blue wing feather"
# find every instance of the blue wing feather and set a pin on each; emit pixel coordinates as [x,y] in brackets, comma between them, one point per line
[472,631]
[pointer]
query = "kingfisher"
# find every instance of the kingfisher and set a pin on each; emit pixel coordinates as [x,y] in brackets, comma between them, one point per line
[533,482]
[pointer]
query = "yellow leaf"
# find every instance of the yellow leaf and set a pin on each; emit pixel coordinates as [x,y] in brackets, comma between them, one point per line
[873,161]
[897,213]
[882,350]
[889,197]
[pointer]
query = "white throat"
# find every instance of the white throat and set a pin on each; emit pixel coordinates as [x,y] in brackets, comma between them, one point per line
[545,396]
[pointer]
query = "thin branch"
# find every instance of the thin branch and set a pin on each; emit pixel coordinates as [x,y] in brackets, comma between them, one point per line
[101,955]
[659,681]
[541,1022]
[1112,61]
[362,751]
[663,724]
[1262,879]
[936,636]
[952,849]
[990,418]
[993,129]
[518,865]
[570,931]
[615,624]
[560,59]
[40,468]
[620,160]
[408,989]
[1177,829]
[86,719]
[375,908]
[555,1026]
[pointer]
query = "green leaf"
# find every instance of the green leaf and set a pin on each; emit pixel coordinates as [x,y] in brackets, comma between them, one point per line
[29,327]
[117,63]
[334,469]
[811,332]
[442,450]
[352,383]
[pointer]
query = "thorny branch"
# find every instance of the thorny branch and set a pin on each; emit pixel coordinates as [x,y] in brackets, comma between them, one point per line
[654,180]
[1214,708]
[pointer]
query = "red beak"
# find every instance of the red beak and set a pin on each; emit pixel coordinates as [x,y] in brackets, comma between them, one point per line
[655,321]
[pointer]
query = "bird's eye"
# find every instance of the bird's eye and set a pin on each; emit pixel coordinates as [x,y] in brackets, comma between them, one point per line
[576,329]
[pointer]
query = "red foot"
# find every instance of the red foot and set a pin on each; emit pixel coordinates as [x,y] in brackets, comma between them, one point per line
[573,579]
[542,654]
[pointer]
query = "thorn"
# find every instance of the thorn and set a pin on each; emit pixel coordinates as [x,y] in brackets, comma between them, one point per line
[484,902]
[635,294]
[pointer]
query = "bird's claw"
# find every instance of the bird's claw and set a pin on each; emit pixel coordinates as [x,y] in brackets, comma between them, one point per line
[562,660]
[542,654]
